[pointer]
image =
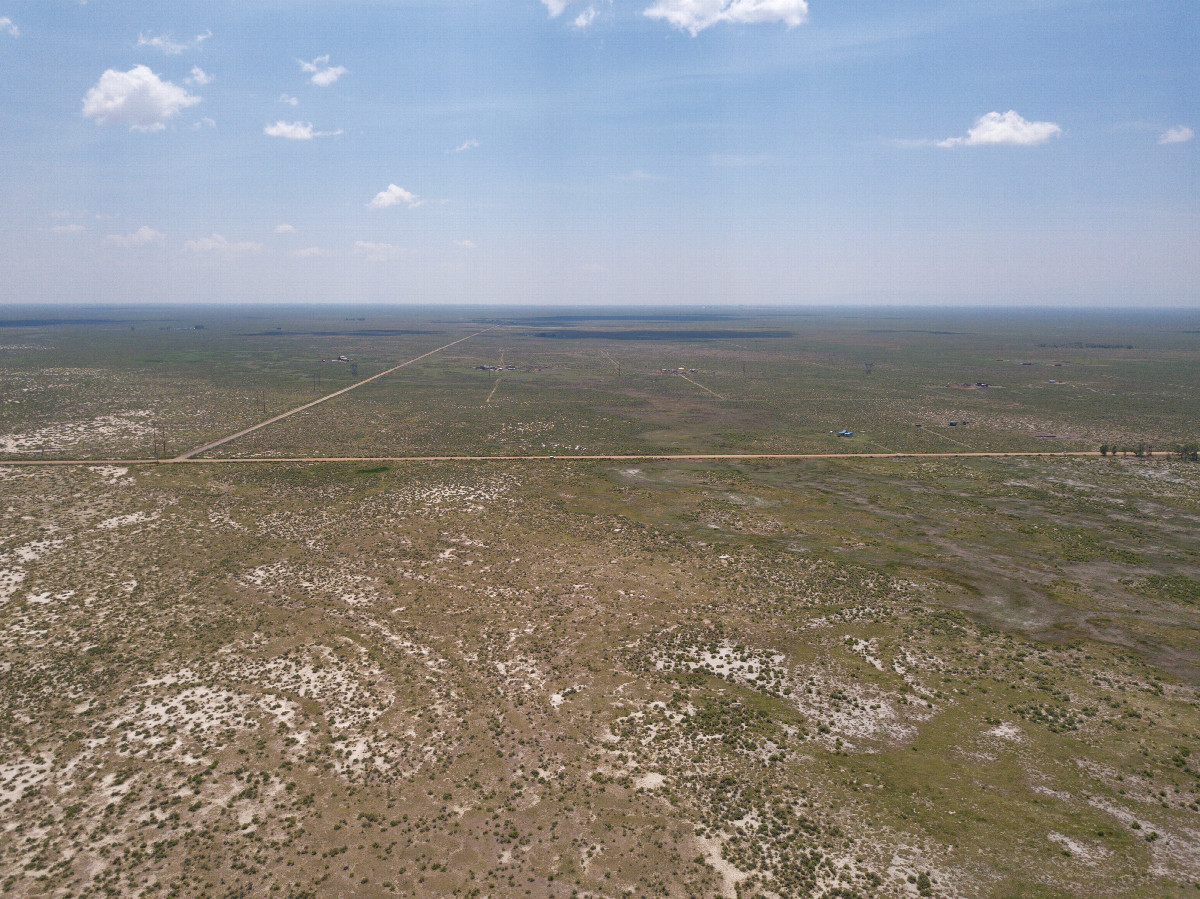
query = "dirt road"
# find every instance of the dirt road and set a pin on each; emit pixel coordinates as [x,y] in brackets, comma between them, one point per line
[598,457]
[270,421]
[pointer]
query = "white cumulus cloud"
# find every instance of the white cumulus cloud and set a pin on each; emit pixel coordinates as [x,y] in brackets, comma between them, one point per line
[1004,128]
[137,98]
[465,244]
[218,244]
[585,18]
[556,7]
[285,229]
[376,252]
[696,15]
[198,77]
[394,196]
[297,131]
[465,145]
[8,27]
[139,238]
[323,74]
[168,46]
[1180,134]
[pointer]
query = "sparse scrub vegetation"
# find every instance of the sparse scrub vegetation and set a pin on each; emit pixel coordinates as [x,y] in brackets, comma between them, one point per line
[830,678]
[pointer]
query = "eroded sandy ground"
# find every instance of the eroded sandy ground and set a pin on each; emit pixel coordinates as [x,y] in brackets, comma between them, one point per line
[588,681]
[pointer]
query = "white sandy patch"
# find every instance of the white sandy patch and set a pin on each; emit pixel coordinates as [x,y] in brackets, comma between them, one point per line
[730,876]
[742,664]
[1081,851]
[424,654]
[867,649]
[1006,731]
[223,519]
[121,521]
[842,708]
[1176,852]
[651,780]
[1043,790]
[63,435]
[333,583]
[353,696]
[520,670]
[110,474]
[435,498]
[10,580]
[18,775]
[198,710]
[44,598]
[31,552]
[465,540]
[266,574]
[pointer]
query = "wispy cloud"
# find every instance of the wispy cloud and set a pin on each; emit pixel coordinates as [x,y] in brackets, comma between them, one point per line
[137,98]
[464,146]
[394,196]
[556,7]
[218,244]
[285,229]
[585,18]
[1004,129]
[323,74]
[68,229]
[634,176]
[308,253]
[8,27]
[1180,134]
[166,45]
[465,244]
[290,101]
[141,237]
[205,122]
[738,161]
[297,131]
[377,252]
[198,77]
[695,15]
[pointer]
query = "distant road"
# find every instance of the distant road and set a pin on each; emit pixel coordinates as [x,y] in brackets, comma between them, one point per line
[599,457]
[270,421]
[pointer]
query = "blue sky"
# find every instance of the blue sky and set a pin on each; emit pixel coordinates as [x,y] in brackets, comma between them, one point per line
[613,151]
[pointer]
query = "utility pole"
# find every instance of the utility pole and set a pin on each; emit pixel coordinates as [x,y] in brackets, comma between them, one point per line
[160,440]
